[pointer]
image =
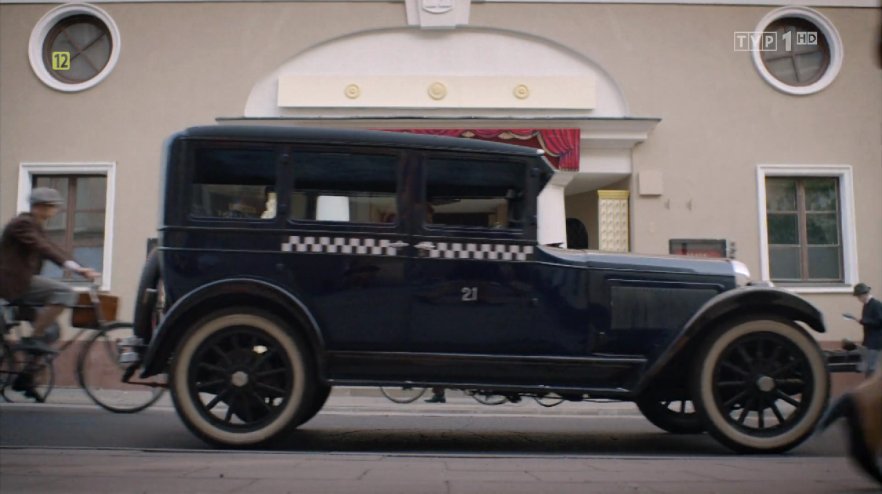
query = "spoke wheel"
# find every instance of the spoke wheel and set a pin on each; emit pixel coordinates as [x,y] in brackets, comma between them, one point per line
[100,373]
[761,386]
[674,415]
[549,400]
[240,378]
[486,398]
[403,394]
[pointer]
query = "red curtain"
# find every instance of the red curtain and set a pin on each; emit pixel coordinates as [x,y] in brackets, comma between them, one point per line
[561,146]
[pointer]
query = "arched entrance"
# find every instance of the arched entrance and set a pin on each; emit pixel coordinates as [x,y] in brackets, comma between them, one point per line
[490,83]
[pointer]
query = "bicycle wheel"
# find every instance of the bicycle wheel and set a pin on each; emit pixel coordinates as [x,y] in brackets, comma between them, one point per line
[404,394]
[34,373]
[549,400]
[101,374]
[487,398]
[5,368]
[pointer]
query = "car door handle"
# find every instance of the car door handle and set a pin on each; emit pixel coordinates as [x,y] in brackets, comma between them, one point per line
[425,246]
[398,245]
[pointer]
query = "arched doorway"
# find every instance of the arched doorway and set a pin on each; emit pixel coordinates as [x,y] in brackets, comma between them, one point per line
[480,81]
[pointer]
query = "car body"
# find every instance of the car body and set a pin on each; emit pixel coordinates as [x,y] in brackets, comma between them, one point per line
[292,260]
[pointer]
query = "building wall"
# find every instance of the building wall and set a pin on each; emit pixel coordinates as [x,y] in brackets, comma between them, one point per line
[187,64]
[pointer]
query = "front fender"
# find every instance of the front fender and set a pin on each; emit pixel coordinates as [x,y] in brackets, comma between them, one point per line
[740,303]
[221,294]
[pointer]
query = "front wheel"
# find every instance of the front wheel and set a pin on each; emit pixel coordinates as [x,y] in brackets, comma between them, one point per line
[760,386]
[241,378]
[102,376]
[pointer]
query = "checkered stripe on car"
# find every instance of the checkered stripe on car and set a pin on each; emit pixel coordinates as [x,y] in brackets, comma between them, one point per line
[339,245]
[497,252]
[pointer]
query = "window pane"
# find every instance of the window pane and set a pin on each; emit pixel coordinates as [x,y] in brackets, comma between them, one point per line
[780,194]
[80,230]
[824,263]
[810,66]
[783,228]
[353,187]
[783,69]
[91,192]
[234,181]
[89,256]
[784,263]
[88,229]
[823,229]
[475,193]
[820,194]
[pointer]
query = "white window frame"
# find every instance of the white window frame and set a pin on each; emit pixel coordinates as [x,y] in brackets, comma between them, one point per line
[847,220]
[834,41]
[48,21]
[27,171]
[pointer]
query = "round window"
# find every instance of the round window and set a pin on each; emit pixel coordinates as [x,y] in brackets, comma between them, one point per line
[74,47]
[802,53]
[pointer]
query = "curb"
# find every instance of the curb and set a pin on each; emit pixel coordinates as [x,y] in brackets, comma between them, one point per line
[368,400]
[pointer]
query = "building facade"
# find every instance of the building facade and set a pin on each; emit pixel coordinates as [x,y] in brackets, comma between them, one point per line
[747,129]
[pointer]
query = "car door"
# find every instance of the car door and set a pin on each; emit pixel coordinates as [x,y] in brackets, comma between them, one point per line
[349,240]
[473,292]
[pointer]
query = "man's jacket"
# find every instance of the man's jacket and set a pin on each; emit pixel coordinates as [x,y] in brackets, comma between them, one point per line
[871,318]
[23,248]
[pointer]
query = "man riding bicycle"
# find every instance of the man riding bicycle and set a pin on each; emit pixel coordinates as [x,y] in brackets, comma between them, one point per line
[23,247]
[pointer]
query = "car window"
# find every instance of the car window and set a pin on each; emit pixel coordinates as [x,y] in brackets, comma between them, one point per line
[234,181]
[344,186]
[475,193]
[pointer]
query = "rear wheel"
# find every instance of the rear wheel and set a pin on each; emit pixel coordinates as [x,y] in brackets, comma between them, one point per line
[241,378]
[674,415]
[101,374]
[760,385]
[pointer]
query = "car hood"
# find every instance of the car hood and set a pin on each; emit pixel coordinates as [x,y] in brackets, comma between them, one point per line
[646,263]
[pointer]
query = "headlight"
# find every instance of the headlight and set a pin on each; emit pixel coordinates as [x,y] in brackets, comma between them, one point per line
[742,274]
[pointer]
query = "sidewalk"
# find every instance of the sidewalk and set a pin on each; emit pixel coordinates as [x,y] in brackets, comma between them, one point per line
[350,400]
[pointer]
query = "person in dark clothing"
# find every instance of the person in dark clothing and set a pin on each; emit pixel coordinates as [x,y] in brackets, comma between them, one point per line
[23,247]
[861,407]
[871,320]
[437,395]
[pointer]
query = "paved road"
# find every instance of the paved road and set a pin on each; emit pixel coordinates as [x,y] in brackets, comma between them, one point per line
[361,444]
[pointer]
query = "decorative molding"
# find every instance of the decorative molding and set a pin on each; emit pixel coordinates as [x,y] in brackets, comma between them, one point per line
[869,4]
[393,92]
[437,14]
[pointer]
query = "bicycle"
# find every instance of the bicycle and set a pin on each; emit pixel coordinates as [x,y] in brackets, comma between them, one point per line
[410,394]
[105,364]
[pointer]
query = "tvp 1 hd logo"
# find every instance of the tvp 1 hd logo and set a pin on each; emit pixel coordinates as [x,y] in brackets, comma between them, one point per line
[772,40]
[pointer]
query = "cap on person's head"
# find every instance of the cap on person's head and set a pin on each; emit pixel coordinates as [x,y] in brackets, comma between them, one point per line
[861,289]
[46,195]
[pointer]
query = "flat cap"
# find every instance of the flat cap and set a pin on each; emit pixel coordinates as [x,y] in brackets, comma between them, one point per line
[46,195]
[861,289]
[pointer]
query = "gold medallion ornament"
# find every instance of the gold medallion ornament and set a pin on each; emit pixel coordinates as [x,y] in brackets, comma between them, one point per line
[352,91]
[437,91]
[521,91]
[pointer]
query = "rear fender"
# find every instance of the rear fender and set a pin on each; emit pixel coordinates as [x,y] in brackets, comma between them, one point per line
[222,294]
[740,303]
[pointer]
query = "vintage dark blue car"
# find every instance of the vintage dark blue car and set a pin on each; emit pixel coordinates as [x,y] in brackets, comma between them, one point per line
[291,260]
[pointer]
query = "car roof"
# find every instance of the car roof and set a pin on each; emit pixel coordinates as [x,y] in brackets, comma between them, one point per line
[352,136]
